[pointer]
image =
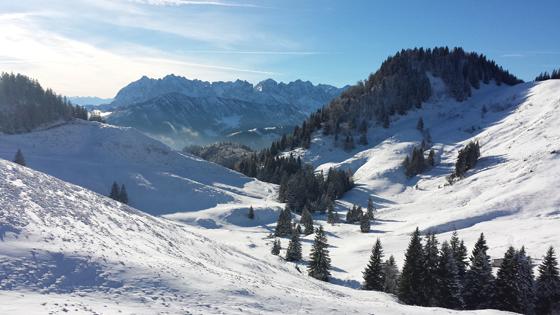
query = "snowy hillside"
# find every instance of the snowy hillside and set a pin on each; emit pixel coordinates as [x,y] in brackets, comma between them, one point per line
[66,249]
[158,179]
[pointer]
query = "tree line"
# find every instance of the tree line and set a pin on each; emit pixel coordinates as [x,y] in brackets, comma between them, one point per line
[25,105]
[555,74]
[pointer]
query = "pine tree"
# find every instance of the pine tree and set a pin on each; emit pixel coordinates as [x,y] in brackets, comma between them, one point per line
[391,272]
[526,281]
[410,284]
[365,224]
[284,224]
[420,124]
[123,196]
[320,262]
[276,247]
[19,159]
[479,284]
[460,254]
[115,192]
[307,222]
[508,296]
[374,277]
[251,213]
[430,280]
[431,158]
[351,215]
[332,215]
[548,285]
[370,209]
[449,286]
[293,252]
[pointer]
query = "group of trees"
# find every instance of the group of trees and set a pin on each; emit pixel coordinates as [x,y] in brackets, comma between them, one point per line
[319,260]
[300,186]
[467,158]
[442,276]
[357,215]
[417,163]
[25,105]
[546,76]
[118,194]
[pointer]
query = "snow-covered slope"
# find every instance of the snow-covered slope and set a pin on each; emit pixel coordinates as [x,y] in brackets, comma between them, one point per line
[158,179]
[66,249]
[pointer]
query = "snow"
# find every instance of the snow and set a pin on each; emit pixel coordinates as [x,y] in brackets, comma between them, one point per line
[67,249]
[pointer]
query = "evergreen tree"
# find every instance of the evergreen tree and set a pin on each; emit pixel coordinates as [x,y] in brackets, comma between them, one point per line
[460,254]
[508,291]
[431,158]
[548,285]
[115,192]
[276,247]
[284,224]
[320,262]
[374,277]
[410,284]
[332,215]
[420,124]
[430,279]
[293,252]
[251,213]
[526,281]
[370,209]
[351,215]
[449,291]
[19,159]
[307,221]
[123,196]
[479,281]
[365,224]
[391,272]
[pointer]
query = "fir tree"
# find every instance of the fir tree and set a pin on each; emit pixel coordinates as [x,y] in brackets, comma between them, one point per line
[429,279]
[293,252]
[370,209]
[431,158]
[251,213]
[508,295]
[365,224]
[307,221]
[284,224]
[548,285]
[420,124]
[391,272]
[410,284]
[351,215]
[332,215]
[276,247]
[320,262]
[460,254]
[526,282]
[449,286]
[374,277]
[123,196]
[115,192]
[19,159]
[479,281]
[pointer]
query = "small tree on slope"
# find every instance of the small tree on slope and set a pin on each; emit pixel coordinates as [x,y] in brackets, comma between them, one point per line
[123,195]
[410,284]
[391,272]
[365,224]
[293,252]
[284,224]
[251,213]
[320,262]
[276,247]
[332,215]
[374,277]
[479,289]
[306,221]
[548,285]
[19,159]
[115,192]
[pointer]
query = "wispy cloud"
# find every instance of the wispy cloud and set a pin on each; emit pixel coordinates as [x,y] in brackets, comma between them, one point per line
[512,56]
[188,2]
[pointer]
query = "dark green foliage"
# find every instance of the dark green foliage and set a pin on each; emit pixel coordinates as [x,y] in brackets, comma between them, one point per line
[320,262]
[332,215]
[123,195]
[96,117]
[307,222]
[374,277]
[19,159]
[391,272]
[479,285]
[293,252]
[411,280]
[284,224]
[228,154]
[115,191]
[416,164]
[251,213]
[25,105]
[370,209]
[468,156]
[420,124]
[514,284]
[459,254]
[548,285]
[431,158]
[430,276]
[354,215]
[276,247]
[546,76]
[449,289]
[365,224]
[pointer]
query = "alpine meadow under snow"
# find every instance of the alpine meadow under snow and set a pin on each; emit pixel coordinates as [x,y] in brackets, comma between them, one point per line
[194,237]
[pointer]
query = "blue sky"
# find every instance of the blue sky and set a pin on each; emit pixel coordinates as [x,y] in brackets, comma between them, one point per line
[95,47]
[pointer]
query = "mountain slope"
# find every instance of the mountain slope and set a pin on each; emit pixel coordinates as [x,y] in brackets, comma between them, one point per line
[92,254]
[180,111]
[158,179]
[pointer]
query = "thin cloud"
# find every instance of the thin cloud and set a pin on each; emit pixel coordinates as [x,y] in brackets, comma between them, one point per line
[188,2]
[258,52]
[512,55]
